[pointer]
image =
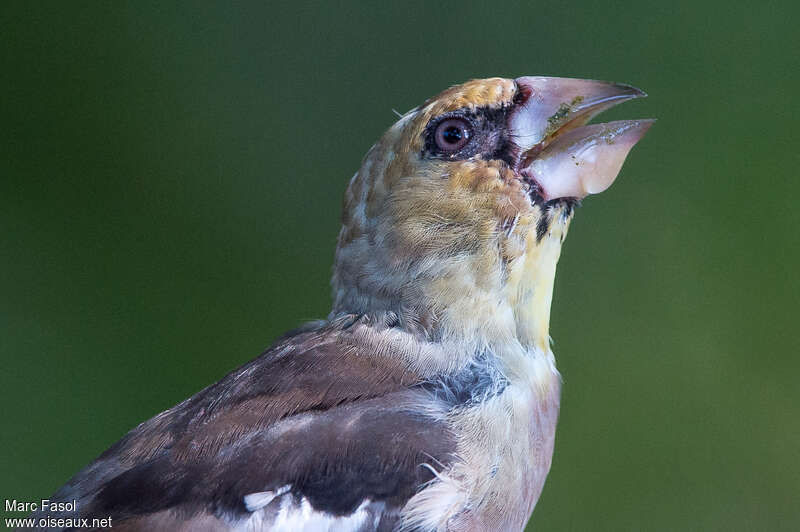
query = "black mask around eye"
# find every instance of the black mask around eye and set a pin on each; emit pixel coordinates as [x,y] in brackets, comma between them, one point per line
[468,133]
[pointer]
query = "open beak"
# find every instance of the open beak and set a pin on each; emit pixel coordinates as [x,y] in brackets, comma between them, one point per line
[563,157]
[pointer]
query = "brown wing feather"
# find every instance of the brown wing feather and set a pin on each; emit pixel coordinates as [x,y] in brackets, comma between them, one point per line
[317,411]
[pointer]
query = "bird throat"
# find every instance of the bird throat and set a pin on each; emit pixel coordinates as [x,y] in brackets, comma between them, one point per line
[529,287]
[485,300]
[496,302]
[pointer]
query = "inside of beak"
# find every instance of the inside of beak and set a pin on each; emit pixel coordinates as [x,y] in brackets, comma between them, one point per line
[564,157]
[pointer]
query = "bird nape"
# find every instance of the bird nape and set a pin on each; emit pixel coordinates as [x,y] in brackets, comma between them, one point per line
[428,398]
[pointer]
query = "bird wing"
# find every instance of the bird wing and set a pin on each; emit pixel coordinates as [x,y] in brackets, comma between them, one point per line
[315,434]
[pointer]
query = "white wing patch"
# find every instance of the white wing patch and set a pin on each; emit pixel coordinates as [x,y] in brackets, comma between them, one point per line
[280,511]
[256,501]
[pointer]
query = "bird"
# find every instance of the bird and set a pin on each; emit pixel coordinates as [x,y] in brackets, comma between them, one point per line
[428,398]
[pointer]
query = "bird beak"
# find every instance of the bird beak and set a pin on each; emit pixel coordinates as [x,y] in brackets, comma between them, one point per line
[564,157]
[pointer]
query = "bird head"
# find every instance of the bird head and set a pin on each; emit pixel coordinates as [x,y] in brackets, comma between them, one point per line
[454,223]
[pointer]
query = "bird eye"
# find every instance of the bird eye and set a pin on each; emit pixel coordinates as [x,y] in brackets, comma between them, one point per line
[452,134]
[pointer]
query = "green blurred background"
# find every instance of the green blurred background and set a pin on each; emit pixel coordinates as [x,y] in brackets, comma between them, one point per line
[170,197]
